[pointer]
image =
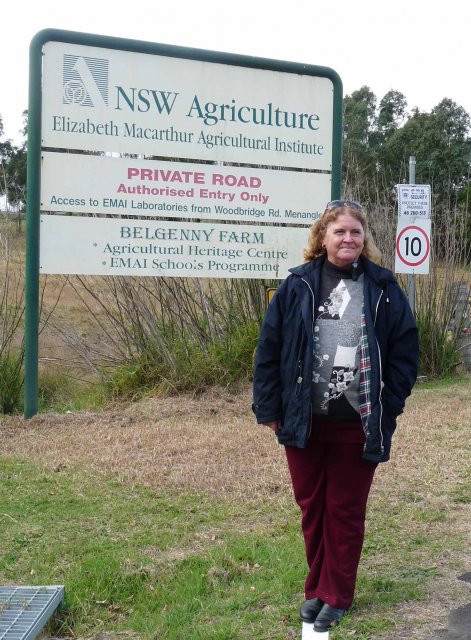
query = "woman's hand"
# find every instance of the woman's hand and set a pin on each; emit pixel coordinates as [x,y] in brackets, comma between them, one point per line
[274,426]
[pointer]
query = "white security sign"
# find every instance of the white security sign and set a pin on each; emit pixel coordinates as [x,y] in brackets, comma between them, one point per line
[112,246]
[414,200]
[99,99]
[413,246]
[79,183]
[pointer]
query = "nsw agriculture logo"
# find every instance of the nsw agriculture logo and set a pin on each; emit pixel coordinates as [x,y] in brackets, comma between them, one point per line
[85,81]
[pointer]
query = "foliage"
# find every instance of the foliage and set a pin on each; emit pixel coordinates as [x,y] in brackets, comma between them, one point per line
[11,383]
[168,334]
[441,321]
[13,169]
[12,309]
[440,331]
[438,355]
[443,297]
[441,144]
[11,318]
[53,388]
[378,141]
[176,335]
[15,178]
[464,203]
[359,118]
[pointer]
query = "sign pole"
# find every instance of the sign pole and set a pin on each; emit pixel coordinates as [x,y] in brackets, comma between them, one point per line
[31,384]
[411,276]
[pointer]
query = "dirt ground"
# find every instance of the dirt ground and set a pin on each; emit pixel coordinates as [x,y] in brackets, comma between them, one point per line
[211,444]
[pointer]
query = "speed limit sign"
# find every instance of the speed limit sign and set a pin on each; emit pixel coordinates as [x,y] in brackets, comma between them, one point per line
[413,246]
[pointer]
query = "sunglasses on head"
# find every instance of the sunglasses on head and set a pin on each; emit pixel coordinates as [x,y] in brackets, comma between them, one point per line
[333,204]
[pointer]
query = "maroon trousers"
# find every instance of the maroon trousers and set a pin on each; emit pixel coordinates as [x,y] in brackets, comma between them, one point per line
[331,484]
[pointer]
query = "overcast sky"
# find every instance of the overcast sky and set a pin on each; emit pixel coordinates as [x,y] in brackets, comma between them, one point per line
[420,49]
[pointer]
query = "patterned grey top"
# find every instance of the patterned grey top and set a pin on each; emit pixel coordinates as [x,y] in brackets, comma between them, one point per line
[337,332]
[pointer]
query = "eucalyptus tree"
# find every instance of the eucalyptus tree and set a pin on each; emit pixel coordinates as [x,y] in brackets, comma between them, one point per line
[359,163]
[441,142]
[367,128]
[6,151]
[13,168]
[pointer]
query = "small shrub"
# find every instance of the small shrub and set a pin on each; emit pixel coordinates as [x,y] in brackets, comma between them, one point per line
[438,348]
[52,389]
[11,383]
[187,365]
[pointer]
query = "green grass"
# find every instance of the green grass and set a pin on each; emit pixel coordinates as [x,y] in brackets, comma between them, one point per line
[184,565]
[127,556]
[461,494]
[446,381]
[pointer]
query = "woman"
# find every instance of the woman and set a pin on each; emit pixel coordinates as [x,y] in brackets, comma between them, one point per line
[336,358]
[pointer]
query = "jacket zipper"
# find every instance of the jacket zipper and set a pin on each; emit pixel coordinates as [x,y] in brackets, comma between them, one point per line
[299,378]
[313,303]
[312,330]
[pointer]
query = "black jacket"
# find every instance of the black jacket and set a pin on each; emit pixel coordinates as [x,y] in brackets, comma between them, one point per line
[284,359]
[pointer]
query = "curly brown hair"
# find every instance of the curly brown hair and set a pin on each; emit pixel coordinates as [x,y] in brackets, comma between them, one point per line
[319,228]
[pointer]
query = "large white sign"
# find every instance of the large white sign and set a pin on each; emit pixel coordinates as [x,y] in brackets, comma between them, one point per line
[100,99]
[111,246]
[413,246]
[414,200]
[81,183]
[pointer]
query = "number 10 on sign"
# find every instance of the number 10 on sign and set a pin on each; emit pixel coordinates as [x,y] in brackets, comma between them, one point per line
[413,246]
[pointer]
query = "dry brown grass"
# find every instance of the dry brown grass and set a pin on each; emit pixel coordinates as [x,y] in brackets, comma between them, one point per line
[208,444]
[211,444]
[431,458]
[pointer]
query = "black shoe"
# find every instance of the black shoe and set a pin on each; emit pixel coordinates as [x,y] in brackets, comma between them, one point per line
[327,617]
[309,609]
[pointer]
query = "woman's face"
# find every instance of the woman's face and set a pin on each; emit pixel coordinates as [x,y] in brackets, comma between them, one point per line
[344,240]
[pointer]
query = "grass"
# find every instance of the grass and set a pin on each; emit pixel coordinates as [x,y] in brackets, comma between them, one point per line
[177,566]
[174,519]
[161,565]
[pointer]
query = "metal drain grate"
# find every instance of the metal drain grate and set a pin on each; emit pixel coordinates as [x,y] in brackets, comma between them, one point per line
[25,610]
